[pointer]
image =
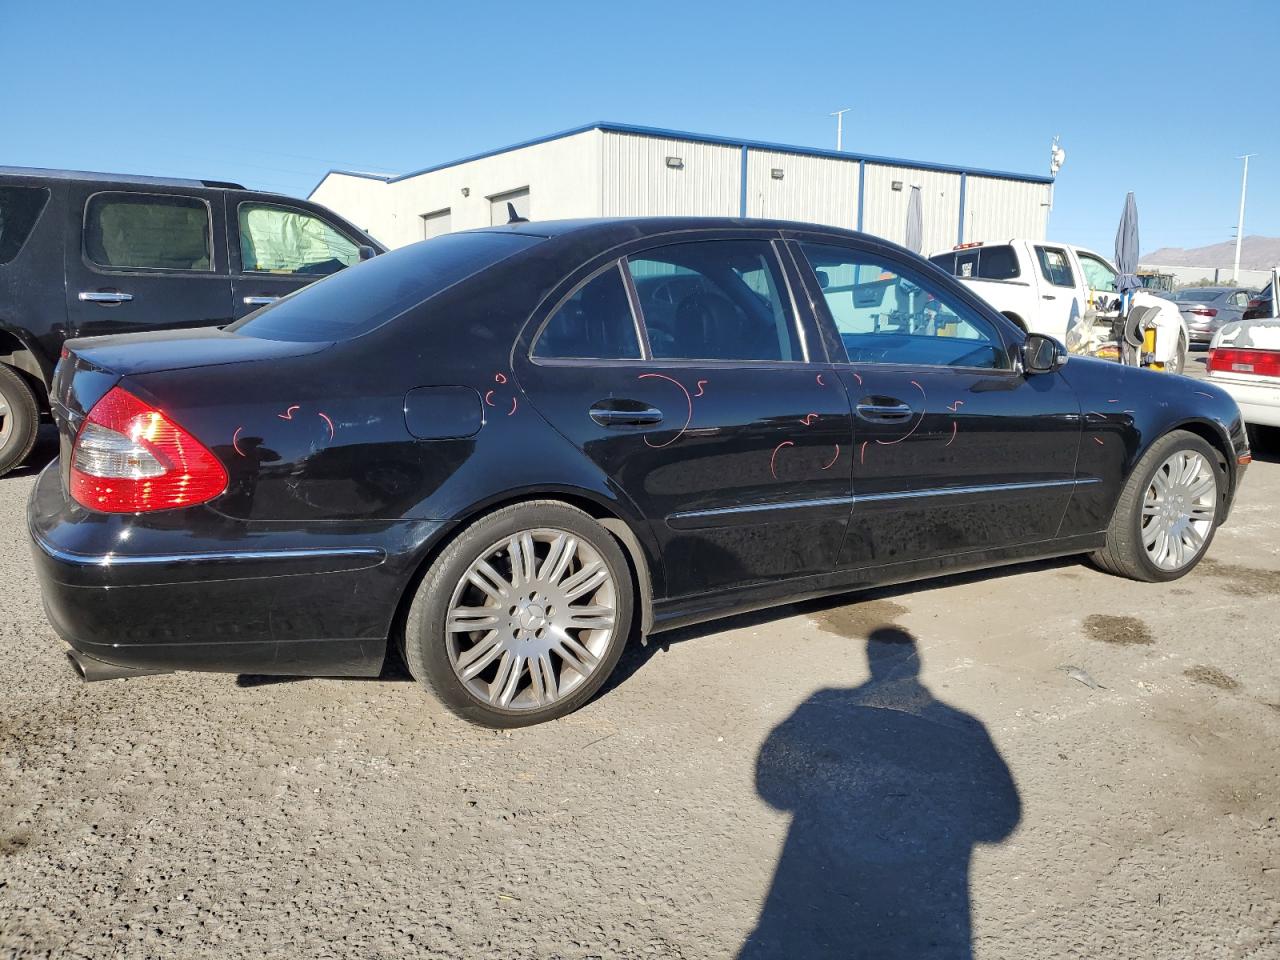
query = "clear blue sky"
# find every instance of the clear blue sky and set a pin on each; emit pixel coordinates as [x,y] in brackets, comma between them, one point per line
[273,94]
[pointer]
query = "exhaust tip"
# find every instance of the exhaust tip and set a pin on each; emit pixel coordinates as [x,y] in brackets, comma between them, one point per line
[92,670]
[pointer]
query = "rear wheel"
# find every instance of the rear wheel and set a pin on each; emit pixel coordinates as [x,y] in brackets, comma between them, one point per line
[1167,513]
[1180,356]
[522,617]
[19,419]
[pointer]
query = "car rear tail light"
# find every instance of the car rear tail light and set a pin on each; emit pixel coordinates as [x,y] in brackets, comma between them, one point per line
[1204,311]
[1262,363]
[130,457]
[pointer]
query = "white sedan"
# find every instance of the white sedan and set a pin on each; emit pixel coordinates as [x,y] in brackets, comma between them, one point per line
[1244,359]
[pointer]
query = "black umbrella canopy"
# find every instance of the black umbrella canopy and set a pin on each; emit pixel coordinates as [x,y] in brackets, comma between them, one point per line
[1127,247]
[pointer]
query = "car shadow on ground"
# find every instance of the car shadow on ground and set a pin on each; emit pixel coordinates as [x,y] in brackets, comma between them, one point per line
[889,790]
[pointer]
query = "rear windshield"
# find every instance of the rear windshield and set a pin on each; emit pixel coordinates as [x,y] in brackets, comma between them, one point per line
[19,210]
[1197,294]
[980,263]
[366,296]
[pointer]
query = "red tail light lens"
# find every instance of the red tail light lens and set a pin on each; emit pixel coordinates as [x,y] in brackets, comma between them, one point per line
[1262,363]
[131,458]
[1204,311]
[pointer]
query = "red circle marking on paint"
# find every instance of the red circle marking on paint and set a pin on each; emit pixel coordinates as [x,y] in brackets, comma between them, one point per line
[235,441]
[862,452]
[701,383]
[688,400]
[774,456]
[288,414]
[919,420]
[325,418]
[832,462]
[954,428]
[513,406]
[808,419]
[499,378]
[488,398]
[821,382]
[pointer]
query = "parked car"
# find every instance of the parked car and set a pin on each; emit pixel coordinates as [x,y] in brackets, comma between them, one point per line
[1244,360]
[509,450]
[1260,306]
[1206,309]
[83,254]
[1063,291]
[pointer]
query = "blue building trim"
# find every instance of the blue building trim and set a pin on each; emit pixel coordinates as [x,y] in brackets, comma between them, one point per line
[609,127]
[742,199]
[862,189]
[964,182]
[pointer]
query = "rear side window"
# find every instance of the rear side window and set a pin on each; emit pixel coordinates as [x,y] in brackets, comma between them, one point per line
[980,263]
[594,323]
[715,300]
[286,240]
[1055,267]
[148,232]
[20,208]
[355,301]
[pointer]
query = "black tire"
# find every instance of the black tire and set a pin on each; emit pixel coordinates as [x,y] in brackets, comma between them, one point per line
[1124,554]
[20,424]
[1180,356]
[426,648]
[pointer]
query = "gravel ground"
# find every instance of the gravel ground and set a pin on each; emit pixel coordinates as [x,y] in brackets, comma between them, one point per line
[1042,762]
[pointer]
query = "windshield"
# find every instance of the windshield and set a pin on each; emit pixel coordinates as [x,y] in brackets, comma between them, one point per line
[364,297]
[1195,294]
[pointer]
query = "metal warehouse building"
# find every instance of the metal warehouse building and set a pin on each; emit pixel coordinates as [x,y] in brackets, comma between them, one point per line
[609,169]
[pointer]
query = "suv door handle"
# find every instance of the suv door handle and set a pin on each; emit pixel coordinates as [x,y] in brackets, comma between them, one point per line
[1047,296]
[885,412]
[612,413]
[104,296]
[259,301]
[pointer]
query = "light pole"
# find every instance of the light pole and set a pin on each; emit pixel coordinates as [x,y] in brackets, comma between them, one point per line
[1244,184]
[839,115]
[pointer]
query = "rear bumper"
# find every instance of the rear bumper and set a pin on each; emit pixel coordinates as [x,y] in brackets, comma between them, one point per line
[1259,402]
[220,594]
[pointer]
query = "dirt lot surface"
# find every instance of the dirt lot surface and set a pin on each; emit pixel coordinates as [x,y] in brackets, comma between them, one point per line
[1041,762]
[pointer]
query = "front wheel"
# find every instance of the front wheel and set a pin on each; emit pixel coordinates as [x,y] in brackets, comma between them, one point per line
[1167,513]
[522,617]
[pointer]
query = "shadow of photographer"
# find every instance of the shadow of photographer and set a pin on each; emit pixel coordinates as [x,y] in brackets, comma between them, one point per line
[889,791]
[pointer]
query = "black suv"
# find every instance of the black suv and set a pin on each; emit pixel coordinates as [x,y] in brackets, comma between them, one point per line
[84,254]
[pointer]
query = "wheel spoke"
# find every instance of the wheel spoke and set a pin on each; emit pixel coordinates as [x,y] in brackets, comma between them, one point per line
[489,580]
[520,550]
[547,671]
[467,619]
[472,662]
[1150,533]
[576,655]
[1194,538]
[507,675]
[1200,487]
[563,549]
[585,580]
[1160,482]
[590,618]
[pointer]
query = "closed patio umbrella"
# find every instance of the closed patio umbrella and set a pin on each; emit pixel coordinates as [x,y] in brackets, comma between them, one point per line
[1127,248]
[915,223]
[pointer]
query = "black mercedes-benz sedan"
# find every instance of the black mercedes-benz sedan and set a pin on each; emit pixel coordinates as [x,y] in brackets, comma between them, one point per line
[510,450]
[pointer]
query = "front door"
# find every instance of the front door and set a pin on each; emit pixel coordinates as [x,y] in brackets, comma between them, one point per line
[956,449]
[277,248]
[687,375]
[1060,306]
[145,261]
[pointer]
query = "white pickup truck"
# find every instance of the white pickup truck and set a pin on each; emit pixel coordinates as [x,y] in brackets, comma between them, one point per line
[1064,291]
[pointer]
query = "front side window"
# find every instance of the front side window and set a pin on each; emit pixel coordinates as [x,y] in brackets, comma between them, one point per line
[1097,275]
[888,313]
[595,323]
[286,240]
[1055,267]
[20,208]
[715,300]
[148,232]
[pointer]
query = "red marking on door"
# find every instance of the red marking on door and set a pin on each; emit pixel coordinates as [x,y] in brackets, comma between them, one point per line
[488,398]
[916,426]
[954,407]
[1098,441]
[688,401]
[862,452]
[499,378]
[329,423]
[857,376]
[774,456]
[513,406]
[955,427]
[288,414]
[821,382]
[235,441]
[701,384]
[832,462]
[808,419]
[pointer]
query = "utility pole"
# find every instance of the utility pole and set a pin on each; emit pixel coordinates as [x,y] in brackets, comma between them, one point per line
[839,115]
[1244,184]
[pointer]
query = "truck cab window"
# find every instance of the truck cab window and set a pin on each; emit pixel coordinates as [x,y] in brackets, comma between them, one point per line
[1055,267]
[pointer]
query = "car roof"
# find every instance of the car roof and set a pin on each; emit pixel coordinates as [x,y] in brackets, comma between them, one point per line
[620,229]
[48,173]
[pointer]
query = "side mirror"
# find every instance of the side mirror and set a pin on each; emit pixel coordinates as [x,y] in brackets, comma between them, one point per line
[1041,354]
[367,252]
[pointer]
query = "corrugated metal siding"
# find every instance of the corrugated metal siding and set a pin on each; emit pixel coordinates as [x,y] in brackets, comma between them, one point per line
[885,209]
[638,183]
[1004,209]
[812,189]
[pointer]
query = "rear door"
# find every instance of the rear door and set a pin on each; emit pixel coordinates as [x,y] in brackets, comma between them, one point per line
[956,450]
[689,375]
[145,259]
[278,247]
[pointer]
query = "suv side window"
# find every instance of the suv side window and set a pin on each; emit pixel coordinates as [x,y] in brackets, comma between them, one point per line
[595,323]
[20,208]
[1097,275]
[285,240]
[1055,267]
[148,231]
[715,300]
[1239,299]
[889,313]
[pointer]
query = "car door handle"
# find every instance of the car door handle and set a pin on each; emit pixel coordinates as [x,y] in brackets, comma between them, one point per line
[1047,296]
[104,296]
[259,301]
[885,412]
[610,414]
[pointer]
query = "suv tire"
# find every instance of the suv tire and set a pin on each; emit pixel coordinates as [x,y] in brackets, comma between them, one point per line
[19,419]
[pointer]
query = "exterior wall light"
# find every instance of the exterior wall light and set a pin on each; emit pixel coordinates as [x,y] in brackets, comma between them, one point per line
[466,191]
[896,186]
[776,173]
[675,163]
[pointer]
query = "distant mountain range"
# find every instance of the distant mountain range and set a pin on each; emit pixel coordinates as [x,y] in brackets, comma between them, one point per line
[1256,253]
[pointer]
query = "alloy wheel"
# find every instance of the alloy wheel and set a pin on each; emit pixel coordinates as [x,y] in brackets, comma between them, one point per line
[1178,510]
[6,422]
[531,619]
